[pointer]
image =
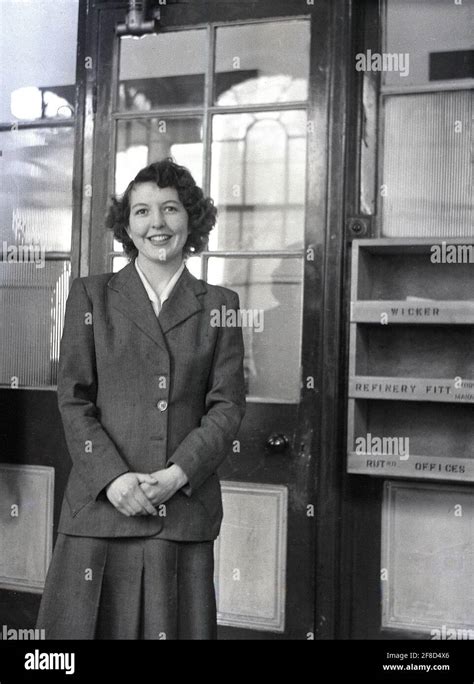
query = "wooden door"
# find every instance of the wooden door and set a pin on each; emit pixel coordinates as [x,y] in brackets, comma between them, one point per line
[239,93]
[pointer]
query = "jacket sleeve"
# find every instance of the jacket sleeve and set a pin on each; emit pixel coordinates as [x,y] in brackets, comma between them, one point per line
[92,451]
[205,447]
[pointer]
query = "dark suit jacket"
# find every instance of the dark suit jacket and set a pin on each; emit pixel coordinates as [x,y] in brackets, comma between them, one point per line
[137,393]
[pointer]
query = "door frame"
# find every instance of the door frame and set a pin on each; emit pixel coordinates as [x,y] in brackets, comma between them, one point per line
[320,461]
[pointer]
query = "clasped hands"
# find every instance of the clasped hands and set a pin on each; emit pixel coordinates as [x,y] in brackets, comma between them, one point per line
[140,493]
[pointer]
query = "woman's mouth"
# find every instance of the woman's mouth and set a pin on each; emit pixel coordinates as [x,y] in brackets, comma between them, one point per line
[159,239]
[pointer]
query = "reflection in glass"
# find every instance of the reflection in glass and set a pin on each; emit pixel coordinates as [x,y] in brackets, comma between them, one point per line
[427,167]
[270,292]
[32,302]
[36,103]
[36,187]
[262,62]
[143,141]
[38,73]
[258,176]
[162,70]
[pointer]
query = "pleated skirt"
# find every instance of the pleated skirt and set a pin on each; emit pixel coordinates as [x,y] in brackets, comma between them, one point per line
[129,588]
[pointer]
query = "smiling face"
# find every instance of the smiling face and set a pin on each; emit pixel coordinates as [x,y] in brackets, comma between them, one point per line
[158,223]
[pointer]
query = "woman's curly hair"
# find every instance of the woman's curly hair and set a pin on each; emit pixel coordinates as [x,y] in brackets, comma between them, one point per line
[166,174]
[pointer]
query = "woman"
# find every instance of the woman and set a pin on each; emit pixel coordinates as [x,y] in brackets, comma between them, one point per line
[151,396]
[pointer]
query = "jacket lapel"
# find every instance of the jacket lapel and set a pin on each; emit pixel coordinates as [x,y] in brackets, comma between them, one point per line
[130,297]
[183,302]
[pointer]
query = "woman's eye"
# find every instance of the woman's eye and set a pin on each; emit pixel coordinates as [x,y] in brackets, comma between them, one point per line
[170,210]
[140,212]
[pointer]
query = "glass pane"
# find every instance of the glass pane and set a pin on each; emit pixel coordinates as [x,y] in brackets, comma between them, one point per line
[118,263]
[32,305]
[194,266]
[435,35]
[270,292]
[259,63]
[143,141]
[258,180]
[162,70]
[36,187]
[38,42]
[427,169]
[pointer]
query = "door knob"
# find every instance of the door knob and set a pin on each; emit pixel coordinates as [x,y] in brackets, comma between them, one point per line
[277,443]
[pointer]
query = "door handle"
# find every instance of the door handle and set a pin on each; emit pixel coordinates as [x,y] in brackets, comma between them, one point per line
[277,443]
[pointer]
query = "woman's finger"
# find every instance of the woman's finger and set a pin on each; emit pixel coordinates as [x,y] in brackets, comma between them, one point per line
[126,505]
[145,478]
[147,490]
[141,504]
[121,509]
[146,503]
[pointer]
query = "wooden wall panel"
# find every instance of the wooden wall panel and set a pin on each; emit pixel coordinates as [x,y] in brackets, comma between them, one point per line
[251,557]
[428,557]
[26,525]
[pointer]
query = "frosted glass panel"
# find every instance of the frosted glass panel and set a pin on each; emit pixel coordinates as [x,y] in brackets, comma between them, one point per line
[32,305]
[258,180]
[427,168]
[38,43]
[36,187]
[270,292]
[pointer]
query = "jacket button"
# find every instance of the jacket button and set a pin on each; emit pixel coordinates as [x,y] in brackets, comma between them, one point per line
[162,405]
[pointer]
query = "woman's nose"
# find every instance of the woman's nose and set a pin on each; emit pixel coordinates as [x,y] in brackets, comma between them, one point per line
[158,218]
